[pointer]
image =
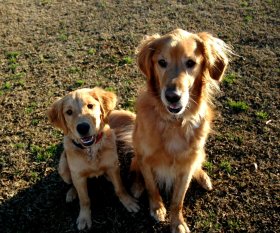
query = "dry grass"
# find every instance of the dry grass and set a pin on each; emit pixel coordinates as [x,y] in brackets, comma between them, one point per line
[50,47]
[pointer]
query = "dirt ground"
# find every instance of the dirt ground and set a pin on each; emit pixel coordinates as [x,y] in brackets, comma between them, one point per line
[49,47]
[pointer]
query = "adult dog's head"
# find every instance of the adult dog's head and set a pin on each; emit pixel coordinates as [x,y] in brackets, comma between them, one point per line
[181,67]
[82,113]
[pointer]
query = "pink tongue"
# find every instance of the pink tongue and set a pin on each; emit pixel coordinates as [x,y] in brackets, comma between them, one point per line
[173,106]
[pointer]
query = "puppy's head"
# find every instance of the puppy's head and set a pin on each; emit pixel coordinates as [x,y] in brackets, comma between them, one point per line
[82,113]
[179,65]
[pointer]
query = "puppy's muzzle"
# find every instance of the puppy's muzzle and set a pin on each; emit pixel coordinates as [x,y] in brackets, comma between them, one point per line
[173,98]
[84,131]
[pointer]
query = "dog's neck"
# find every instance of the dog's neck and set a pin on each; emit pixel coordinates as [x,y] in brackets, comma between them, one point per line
[92,151]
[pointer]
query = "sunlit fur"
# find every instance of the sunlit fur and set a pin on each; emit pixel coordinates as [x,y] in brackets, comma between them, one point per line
[169,147]
[94,107]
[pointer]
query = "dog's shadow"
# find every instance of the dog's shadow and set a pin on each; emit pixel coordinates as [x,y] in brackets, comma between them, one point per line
[42,207]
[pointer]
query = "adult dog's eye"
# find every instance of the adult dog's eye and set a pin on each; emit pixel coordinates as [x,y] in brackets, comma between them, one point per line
[69,112]
[162,63]
[190,64]
[90,106]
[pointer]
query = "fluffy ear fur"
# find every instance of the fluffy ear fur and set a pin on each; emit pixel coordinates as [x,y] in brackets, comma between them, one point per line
[107,100]
[55,115]
[216,53]
[144,54]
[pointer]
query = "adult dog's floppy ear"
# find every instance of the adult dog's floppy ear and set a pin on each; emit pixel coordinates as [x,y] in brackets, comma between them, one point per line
[107,100]
[144,54]
[216,54]
[56,117]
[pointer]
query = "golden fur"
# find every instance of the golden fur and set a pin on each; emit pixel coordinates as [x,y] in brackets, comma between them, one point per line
[83,116]
[174,114]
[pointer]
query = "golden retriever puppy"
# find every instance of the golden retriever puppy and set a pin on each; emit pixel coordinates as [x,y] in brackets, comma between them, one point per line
[90,145]
[174,114]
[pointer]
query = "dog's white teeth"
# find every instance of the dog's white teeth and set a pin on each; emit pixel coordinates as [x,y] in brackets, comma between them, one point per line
[87,139]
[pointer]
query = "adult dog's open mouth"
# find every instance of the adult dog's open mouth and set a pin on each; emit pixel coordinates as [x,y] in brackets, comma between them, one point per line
[174,108]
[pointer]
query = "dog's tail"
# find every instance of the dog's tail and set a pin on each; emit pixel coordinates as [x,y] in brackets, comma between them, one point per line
[123,124]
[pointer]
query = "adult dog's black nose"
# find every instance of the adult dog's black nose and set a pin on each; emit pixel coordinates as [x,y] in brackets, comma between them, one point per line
[83,128]
[172,96]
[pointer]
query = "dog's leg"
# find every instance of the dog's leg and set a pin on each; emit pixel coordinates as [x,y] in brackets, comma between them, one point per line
[84,219]
[129,202]
[201,176]
[157,209]
[203,179]
[138,185]
[178,224]
[63,169]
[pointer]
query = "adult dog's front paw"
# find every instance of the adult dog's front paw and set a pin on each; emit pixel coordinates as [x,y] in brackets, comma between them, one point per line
[84,220]
[203,179]
[158,213]
[180,228]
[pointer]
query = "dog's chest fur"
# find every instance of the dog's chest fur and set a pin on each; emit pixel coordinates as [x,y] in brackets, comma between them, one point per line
[91,162]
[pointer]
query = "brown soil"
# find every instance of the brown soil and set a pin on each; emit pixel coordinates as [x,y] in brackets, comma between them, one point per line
[50,47]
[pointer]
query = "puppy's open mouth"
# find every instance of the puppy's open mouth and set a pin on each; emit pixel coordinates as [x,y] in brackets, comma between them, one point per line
[174,108]
[87,141]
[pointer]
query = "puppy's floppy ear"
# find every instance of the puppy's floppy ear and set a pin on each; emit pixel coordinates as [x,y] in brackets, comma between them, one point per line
[107,100]
[56,117]
[144,54]
[216,54]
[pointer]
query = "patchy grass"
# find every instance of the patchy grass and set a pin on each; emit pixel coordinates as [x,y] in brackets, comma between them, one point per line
[32,106]
[7,86]
[262,115]
[79,83]
[248,18]
[43,154]
[91,51]
[225,166]
[74,70]
[229,79]
[209,166]
[238,106]
[126,60]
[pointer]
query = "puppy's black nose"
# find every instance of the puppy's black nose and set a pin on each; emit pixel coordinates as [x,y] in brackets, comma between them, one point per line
[83,128]
[172,96]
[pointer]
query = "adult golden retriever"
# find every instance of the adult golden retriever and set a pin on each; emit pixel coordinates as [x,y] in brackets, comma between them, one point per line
[174,114]
[90,144]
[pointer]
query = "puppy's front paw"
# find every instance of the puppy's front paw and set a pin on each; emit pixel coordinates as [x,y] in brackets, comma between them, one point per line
[180,228]
[159,214]
[84,220]
[130,204]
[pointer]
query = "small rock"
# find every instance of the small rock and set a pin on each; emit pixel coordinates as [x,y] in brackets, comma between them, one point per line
[255,166]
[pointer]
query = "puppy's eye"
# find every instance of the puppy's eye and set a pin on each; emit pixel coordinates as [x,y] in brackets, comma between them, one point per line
[190,64]
[90,106]
[162,63]
[69,112]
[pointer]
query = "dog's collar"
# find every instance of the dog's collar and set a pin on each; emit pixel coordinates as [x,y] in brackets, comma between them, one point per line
[97,139]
